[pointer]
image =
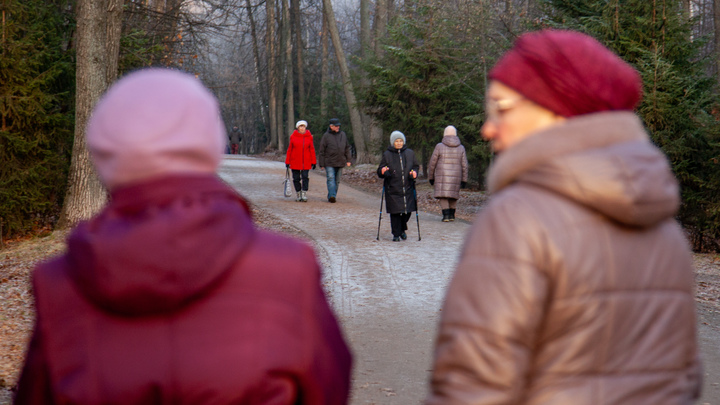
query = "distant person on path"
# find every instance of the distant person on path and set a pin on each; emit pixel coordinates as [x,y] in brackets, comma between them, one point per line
[334,155]
[448,172]
[234,140]
[575,284]
[171,294]
[399,169]
[300,158]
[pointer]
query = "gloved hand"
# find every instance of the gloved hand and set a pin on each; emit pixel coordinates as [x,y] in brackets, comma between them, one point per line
[313,167]
[287,165]
[432,182]
[463,184]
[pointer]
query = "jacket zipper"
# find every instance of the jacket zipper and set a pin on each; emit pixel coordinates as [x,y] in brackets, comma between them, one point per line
[402,174]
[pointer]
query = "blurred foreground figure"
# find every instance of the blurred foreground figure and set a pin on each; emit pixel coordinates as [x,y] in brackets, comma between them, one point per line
[575,284]
[170,295]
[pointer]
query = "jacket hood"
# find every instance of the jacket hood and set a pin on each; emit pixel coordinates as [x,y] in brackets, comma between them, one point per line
[604,161]
[159,244]
[451,140]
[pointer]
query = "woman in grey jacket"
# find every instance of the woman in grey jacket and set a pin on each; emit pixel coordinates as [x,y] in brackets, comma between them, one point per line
[448,172]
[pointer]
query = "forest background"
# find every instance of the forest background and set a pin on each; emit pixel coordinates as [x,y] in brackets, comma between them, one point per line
[377,65]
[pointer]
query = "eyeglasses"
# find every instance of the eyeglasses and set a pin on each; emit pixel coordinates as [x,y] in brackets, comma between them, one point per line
[495,108]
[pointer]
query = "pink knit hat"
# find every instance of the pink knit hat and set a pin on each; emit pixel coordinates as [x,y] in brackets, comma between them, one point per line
[154,122]
[569,73]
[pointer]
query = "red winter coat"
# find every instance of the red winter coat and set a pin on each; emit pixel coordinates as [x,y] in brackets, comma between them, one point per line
[172,296]
[301,151]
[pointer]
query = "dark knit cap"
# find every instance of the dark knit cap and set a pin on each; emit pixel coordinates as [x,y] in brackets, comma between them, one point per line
[334,121]
[569,73]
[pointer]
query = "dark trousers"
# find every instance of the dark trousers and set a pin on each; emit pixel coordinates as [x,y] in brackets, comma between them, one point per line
[398,223]
[301,180]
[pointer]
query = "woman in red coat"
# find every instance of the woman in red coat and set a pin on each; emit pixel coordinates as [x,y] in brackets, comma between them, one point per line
[300,158]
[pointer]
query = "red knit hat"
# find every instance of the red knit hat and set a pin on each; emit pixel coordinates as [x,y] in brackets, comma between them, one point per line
[569,73]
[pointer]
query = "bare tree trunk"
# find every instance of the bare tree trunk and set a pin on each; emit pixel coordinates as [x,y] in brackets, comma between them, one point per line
[256,56]
[114,32]
[299,49]
[325,66]
[289,74]
[272,72]
[716,21]
[380,25]
[85,195]
[374,132]
[279,70]
[355,119]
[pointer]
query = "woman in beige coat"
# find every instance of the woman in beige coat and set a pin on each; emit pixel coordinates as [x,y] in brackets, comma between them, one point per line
[575,285]
[448,172]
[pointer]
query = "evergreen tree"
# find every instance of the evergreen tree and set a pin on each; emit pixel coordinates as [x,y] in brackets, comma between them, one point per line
[36,118]
[431,76]
[679,106]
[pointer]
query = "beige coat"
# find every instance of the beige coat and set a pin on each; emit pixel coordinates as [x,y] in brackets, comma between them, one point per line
[448,166]
[575,284]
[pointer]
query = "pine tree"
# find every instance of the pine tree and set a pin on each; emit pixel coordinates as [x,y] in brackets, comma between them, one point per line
[679,106]
[36,117]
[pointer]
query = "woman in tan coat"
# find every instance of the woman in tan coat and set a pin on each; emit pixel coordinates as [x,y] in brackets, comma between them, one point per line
[448,172]
[575,285]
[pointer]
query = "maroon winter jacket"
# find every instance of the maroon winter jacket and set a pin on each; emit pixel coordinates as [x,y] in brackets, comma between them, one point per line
[172,296]
[301,151]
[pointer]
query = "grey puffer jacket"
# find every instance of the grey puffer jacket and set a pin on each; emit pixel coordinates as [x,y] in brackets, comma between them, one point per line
[448,167]
[575,285]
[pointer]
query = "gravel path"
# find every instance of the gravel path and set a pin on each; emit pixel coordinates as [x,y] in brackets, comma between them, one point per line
[387,294]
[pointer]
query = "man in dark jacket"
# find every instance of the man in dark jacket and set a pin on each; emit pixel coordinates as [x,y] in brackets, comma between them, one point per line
[334,155]
[171,295]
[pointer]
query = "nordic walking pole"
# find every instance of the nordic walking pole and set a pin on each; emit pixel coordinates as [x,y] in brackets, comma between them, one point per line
[417,208]
[382,196]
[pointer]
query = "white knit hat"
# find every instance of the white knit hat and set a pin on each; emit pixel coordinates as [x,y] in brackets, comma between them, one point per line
[450,131]
[301,122]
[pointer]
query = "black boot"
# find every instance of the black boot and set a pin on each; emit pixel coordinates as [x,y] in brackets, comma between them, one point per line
[446,215]
[452,214]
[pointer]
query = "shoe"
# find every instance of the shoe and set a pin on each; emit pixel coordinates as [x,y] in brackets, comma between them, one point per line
[396,239]
[332,199]
[303,196]
[452,214]
[299,197]
[446,215]
[403,236]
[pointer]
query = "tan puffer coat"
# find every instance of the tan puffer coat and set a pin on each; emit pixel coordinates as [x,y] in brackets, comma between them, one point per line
[448,166]
[575,285]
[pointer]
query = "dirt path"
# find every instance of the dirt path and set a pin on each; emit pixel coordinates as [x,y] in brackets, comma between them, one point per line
[386,294]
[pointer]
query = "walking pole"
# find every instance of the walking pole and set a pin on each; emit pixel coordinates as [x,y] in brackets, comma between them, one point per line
[417,208]
[382,196]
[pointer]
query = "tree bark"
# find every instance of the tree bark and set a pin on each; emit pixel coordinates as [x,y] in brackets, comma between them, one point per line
[272,72]
[299,49]
[86,195]
[716,21]
[374,133]
[325,66]
[355,119]
[279,73]
[114,32]
[256,56]
[289,73]
[380,25]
